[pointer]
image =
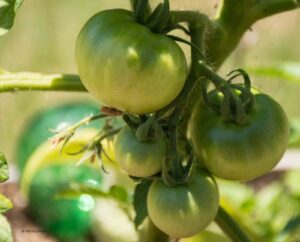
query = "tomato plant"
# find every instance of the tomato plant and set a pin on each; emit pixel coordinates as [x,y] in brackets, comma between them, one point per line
[183,121]
[184,210]
[137,158]
[241,152]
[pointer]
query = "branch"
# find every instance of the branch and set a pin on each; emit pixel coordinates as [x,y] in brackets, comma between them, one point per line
[191,17]
[266,8]
[234,18]
[27,81]
[230,227]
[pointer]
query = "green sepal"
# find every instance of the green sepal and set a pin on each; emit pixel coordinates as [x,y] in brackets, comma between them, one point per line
[225,106]
[155,17]
[241,115]
[163,18]
[131,121]
[141,10]
[149,131]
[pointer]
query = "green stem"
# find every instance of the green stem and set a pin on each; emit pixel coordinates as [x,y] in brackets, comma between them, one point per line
[266,8]
[230,226]
[26,81]
[70,130]
[191,17]
[211,75]
[234,18]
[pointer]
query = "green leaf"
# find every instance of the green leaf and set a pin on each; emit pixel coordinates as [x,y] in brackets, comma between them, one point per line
[3,168]
[8,10]
[119,193]
[292,225]
[5,204]
[286,71]
[140,202]
[5,230]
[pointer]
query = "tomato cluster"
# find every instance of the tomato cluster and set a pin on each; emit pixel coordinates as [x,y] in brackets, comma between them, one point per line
[126,66]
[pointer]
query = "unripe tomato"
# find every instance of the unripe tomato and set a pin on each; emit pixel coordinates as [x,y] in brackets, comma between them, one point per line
[136,158]
[184,210]
[126,66]
[68,219]
[240,152]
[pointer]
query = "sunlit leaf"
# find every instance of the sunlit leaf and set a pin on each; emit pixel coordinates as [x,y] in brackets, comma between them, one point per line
[3,168]
[8,10]
[119,193]
[286,71]
[5,204]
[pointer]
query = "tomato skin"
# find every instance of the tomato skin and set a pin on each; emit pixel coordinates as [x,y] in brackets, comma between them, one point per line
[126,66]
[241,152]
[140,159]
[184,210]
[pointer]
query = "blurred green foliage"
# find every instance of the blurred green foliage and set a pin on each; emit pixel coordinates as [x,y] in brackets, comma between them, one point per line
[269,214]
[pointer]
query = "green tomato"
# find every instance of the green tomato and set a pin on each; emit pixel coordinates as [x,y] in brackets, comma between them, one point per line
[184,210]
[240,152]
[140,159]
[37,129]
[126,66]
[67,219]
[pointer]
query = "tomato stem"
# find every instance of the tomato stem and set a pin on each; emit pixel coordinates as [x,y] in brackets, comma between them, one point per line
[230,227]
[27,81]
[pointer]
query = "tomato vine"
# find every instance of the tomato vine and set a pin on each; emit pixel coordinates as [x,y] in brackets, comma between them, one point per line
[211,42]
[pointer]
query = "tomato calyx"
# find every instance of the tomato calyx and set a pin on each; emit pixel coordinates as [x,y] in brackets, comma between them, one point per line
[235,100]
[157,20]
[146,127]
[179,160]
[175,175]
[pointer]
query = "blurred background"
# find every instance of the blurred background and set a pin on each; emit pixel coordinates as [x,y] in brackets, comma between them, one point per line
[43,40]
